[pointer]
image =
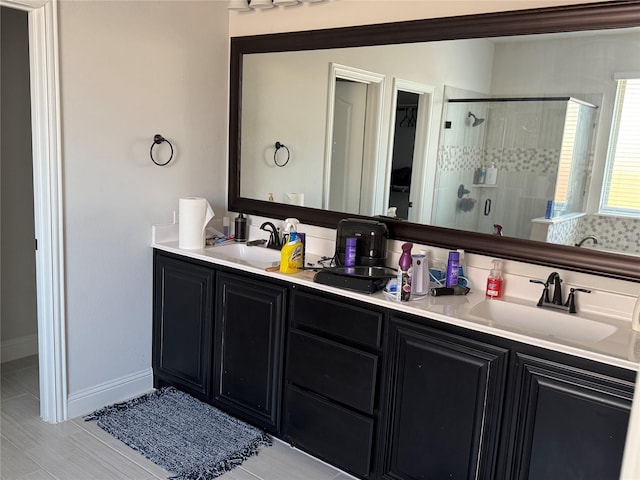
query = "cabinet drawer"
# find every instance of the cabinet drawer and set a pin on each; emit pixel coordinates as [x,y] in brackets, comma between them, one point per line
[337,318]
[334,434]
[341,373]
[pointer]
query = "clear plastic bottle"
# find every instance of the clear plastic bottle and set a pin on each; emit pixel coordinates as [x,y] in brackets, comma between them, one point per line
[462,279]
[483,174]
[491,177]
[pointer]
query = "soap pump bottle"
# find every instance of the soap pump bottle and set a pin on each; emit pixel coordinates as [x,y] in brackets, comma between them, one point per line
[404,279]
[240,224]
[495,281]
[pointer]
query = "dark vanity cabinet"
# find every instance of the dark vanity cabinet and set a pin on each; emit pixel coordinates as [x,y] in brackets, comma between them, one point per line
[444,404]
[567,421]
[249,334]
[219,336]
[379,393]
[182,324]
[332,379]
[463,404]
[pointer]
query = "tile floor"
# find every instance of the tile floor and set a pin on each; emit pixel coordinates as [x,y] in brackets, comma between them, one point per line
[79,450]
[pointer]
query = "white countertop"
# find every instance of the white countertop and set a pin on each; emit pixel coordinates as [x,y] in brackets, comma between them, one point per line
[621,348]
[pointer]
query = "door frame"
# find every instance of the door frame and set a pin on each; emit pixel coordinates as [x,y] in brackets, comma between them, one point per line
[420,171]
[373,123]
[48,212]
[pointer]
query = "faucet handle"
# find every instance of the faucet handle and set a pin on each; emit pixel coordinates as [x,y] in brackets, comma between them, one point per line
[571,302]
[544,298]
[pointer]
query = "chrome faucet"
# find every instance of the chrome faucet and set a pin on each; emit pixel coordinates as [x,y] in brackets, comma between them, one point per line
[557,302]
[274,237]
[589,237]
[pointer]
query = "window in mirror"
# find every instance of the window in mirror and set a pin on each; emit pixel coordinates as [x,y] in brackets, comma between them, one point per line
[622,182]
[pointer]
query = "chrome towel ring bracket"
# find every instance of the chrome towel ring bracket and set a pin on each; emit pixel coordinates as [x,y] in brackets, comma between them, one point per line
[157,140]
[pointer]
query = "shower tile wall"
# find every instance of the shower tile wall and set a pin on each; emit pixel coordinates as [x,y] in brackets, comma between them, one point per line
[460,152]
[613,233]
[564,232]
[523,140]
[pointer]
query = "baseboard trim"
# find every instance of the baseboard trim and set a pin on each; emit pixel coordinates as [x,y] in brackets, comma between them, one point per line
[21,347]
[114,391]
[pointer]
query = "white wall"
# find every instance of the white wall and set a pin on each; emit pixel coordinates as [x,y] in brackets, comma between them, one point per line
[18,299]
[129,70]
[344,13]
[278,86]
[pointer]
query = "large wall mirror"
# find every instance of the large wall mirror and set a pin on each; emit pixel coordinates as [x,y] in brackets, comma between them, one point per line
[458,127]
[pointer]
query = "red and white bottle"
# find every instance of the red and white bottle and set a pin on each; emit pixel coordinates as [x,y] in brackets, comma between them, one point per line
[495,281]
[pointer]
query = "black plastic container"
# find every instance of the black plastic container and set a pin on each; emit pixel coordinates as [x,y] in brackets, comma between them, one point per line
[371,241]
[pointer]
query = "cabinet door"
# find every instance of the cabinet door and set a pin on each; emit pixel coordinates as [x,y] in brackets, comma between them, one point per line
[182,325]
[444,406]
[569,423]
[248,359]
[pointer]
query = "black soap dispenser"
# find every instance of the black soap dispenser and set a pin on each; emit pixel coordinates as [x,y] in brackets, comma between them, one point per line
[240,228]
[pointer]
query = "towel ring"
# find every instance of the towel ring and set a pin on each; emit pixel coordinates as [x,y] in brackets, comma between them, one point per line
[157,140]
[275,153]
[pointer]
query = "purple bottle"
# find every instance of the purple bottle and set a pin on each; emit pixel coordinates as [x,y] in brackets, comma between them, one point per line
[350,253]
[453,266]
[404,280]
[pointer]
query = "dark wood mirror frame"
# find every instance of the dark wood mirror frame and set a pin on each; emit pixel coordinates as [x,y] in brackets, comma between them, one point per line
[595,16]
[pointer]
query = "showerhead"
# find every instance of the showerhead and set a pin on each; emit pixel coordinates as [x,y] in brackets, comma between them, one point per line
[476,121]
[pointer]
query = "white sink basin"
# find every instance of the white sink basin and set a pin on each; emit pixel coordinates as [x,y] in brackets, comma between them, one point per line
[257,256]
[541,321]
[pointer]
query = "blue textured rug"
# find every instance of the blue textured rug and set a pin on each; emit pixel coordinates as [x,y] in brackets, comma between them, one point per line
[181,434]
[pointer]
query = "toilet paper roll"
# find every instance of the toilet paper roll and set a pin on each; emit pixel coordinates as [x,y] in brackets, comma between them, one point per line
[195,213]
[294,199]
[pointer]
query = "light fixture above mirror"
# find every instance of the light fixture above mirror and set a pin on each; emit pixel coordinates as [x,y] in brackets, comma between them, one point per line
[247,5]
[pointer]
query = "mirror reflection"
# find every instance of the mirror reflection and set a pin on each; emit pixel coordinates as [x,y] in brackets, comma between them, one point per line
[515,167]
[513,132]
